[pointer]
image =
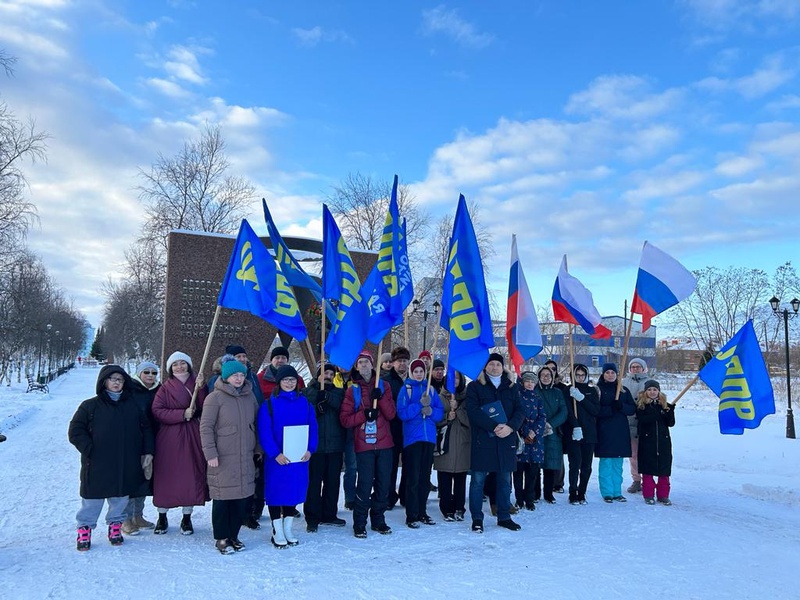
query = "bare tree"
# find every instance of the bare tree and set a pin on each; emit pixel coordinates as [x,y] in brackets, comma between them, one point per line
[7,62]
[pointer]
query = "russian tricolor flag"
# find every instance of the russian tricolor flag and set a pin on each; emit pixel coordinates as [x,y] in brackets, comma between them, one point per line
[573,303]
[662,282]
[522,327]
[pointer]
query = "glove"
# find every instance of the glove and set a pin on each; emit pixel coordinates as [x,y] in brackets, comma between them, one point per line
[577,434]
[376,394]
[425,400]
[576,393]
[322,402]
[147,466]
[371,413]
[426,411]
[188,414]
[548,429]
[616,406]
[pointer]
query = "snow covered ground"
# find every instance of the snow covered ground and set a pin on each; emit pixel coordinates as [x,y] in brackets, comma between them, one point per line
[733,532]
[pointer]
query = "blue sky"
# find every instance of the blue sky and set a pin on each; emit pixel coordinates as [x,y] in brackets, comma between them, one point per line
[584,127]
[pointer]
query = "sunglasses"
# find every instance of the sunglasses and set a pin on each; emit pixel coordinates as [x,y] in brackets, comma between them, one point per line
[116,379]
[149,372]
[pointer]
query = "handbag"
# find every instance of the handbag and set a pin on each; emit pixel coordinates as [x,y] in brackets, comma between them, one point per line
[442,441]
[520,444]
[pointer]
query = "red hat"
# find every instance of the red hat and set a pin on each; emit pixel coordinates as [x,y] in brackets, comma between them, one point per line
[425,353]
[367,355]
[416,363]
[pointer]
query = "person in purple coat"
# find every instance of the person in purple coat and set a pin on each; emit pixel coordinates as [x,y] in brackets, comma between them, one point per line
[285,481]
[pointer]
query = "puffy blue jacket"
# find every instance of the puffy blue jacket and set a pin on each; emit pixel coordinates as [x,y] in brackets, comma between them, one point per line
[416,426]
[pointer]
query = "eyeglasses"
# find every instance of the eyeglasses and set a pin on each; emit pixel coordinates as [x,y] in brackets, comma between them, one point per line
[289,379]
[149,372]
[116,380]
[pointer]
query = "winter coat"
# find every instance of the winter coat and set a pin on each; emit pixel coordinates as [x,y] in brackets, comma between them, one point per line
[285,485]
[331,433]
[250,376]
[635,384]
[179,466]
[555,410]
[588,409]
[613,433]
[112,437]
[459,442]
[416,426]
[491,453]
[655,442]
[354,418]
[228,433]
[532,452]
[396,382]
[267,383]
[144,399]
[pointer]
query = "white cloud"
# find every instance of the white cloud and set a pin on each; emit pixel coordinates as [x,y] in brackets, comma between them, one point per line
[316,35]
[773,73]
[168,88]
[753,16]
[183,64]
[623,97]
[738,166]
[449,23]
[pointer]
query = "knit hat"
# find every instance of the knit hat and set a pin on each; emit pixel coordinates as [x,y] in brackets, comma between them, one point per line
[284,372]
[497,357]
[279,351]
[178,356]
[438,364]
[425,354]
[399,353]
[609,366]
[328,367]
[638,361]
[416,363]
[386,357]
[234,350]
[146,365]
[529,376]
[231,367]
[652,383]
[367,355]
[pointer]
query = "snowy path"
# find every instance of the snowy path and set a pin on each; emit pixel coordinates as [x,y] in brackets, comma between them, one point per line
[734,532]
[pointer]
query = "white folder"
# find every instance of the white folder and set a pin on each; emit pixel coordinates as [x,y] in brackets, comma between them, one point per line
[295,442]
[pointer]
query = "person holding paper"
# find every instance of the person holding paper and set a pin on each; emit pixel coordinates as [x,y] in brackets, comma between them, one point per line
[495,412]
[287,430]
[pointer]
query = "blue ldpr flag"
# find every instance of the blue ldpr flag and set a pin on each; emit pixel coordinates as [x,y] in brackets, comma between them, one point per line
[253,283]
[465,303]
[404,269]
[738,375]
[340,282]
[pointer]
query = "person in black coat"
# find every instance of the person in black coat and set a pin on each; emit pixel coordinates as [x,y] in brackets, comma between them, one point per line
[655,416]
[115,441]
[397,379]
[580,432]
[613,433]
[325,466]
[494,441]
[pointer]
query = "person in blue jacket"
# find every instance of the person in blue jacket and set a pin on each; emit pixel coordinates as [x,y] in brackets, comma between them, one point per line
[420,408]
[285,481]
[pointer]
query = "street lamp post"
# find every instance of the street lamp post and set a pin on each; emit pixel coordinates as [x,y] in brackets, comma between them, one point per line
[775,304]
[425,314]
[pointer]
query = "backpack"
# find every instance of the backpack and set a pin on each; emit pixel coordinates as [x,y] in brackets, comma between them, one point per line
[357,392]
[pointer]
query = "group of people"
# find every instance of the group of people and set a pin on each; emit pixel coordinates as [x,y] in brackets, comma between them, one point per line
[247,440]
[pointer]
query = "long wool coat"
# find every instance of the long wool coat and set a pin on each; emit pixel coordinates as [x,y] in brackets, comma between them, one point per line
[655,442]
[459,445]
[555,410]
[285,485]
[111,437]
[228,433]
[179,467]
[613,433]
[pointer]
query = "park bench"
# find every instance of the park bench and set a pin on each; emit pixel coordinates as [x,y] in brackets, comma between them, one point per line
[35,386]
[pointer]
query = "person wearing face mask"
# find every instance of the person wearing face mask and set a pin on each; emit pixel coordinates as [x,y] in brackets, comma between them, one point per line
[144,385]
[227,432]
[115,440]
[179,467]
[494,443]
[580,432]
[613,433]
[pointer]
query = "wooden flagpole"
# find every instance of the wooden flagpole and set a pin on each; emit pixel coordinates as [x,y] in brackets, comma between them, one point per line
[623,366]
[205,353]
[685,389]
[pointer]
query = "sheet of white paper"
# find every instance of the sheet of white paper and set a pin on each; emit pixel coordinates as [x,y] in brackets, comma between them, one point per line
[295,442]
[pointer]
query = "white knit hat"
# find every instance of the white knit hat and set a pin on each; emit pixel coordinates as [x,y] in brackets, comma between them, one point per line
[178,356]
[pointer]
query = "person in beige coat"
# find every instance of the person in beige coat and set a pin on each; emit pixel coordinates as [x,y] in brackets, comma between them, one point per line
[228,435]
[452,458]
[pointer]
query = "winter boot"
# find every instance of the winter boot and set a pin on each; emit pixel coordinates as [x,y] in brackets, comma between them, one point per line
[224,547]
[278,535]
[161,525]
[129,527]
[115,534]
[84,538]
[287,531]
[665,501]
[649,500]
[186,525]
[635,487]
[142,523]
[509,524]
[238,545]
[251,522]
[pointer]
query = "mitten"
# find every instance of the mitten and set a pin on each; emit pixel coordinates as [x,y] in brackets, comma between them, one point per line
[576,393]
[371,413]
[147,466]
[616,406]
[322,402]
[376,394]
[425,400]
[548,429]
[577,434]
[426,411]
[188,414]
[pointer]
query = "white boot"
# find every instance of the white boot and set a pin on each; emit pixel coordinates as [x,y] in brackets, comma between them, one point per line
[287,531]
[278,537]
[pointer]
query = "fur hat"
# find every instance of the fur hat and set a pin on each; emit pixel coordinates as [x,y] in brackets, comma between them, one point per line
[177,355]
[231,367]
[146,365]
[638,361]
[234,350]
[417,362]
[279,351]
[284,372]
[498,357]
[652,383]
[609,366]
[399,353]
[367,355]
